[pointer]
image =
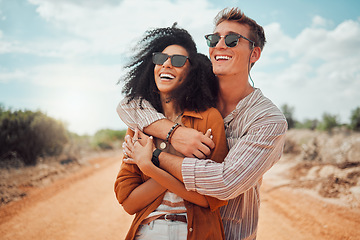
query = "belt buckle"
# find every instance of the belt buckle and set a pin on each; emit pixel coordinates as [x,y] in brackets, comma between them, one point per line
[169,220]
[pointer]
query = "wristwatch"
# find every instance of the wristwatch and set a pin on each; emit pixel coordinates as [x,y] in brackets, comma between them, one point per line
[155,157]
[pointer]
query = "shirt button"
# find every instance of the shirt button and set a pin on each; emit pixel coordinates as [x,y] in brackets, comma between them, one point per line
[190,229]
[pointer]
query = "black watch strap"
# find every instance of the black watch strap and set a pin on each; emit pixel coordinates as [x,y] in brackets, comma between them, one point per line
[155,157]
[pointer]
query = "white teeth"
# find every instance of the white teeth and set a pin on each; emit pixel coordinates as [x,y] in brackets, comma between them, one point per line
[166,75]
[222,58]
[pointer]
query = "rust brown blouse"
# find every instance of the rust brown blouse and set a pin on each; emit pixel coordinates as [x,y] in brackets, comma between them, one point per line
[203,223]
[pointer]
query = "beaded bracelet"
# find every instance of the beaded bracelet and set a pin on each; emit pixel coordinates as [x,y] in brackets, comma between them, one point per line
[171,132]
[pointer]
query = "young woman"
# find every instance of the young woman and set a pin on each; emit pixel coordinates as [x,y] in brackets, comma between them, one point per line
[170,74]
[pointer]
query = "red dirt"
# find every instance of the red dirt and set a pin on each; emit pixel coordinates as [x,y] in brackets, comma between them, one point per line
[83,206]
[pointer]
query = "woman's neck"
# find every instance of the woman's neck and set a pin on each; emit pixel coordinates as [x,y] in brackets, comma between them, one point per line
[170,108]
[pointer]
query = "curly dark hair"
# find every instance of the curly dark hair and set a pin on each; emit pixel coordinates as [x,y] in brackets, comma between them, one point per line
[199,90]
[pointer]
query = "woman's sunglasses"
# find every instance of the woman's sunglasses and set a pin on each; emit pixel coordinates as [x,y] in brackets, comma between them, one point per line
[176,60]
[231,40]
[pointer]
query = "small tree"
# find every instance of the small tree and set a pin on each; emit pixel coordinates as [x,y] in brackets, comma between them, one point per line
[308,124]
[289,115]
[355,119]
[106,138]
[2,108]
[328,122]
[30,135]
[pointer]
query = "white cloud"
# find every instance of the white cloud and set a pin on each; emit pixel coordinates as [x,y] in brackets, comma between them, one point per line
[319,21]
[84,96]
[6,76]
[110,28]
[76,76]
[78,87]
[317,71]
[2,16]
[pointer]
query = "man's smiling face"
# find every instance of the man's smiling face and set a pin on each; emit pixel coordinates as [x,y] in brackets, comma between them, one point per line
[230,61]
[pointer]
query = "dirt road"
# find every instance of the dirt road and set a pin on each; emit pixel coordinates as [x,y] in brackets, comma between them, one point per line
[296,214]
[83,206]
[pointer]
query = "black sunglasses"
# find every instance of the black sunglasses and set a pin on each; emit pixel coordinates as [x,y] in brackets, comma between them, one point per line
[176,60]
[231,40]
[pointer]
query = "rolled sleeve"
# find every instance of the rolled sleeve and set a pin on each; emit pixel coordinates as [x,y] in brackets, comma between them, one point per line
[188,173]
[245,164]
[134,116]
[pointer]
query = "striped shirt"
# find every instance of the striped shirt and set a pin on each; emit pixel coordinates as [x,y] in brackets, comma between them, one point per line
[255,132]
[171,203]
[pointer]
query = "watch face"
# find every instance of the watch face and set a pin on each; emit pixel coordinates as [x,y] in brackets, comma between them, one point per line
[163,145]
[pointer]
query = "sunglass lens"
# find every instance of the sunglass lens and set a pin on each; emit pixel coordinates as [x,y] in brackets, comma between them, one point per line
[231,40]
[212,40]
[178,60]
[159,58]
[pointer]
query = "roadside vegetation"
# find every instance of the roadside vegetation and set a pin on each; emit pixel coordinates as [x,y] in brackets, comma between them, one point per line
[326,155]
[36,150]
[328,122]
[27,137]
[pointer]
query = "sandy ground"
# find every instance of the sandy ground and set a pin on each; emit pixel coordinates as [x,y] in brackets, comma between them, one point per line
[292,213]
[83,206]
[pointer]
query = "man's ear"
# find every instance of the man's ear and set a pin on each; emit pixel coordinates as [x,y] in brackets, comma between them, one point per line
[255,54]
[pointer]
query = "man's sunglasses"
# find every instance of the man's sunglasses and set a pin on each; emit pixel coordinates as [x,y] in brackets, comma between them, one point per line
[231,40]
[176,60]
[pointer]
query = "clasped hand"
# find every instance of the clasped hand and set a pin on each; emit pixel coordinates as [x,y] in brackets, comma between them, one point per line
[138,149]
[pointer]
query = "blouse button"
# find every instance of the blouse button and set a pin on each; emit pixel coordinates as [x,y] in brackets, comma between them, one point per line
[190,229]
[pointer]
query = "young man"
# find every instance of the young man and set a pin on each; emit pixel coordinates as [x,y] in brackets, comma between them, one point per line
[255,129]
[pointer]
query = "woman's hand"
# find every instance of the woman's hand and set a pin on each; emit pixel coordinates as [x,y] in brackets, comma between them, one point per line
[142,155]
[139,149]
[128,144]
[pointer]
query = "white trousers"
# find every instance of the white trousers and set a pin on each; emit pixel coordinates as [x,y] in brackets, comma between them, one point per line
[162,230]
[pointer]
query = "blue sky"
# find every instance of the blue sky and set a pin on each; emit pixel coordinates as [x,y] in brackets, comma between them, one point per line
[65,57]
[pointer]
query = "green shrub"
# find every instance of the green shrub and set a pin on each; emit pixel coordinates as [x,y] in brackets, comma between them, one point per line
[328,122]
[289,115]
[107,138]
[355,119]
[308,124]
[30,135]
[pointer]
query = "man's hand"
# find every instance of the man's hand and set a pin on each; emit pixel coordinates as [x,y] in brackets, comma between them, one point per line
[192,143]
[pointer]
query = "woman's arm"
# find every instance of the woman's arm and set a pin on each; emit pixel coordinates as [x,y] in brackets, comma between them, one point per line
[187,141]
[142,156]
[142,196]
[131,191]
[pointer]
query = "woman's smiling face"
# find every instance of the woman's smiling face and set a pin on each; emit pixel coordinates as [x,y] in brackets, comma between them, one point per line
[168,77]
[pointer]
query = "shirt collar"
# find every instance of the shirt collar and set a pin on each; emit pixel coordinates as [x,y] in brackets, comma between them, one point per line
[192,114]
[243,104]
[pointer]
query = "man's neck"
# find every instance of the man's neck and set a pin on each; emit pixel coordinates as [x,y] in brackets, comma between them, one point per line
[232,90]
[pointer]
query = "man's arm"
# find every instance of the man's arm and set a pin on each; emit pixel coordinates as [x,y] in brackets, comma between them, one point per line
[168,162]
[142,157]
[134,117]
[247,161]
[171,164]
[187,141]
